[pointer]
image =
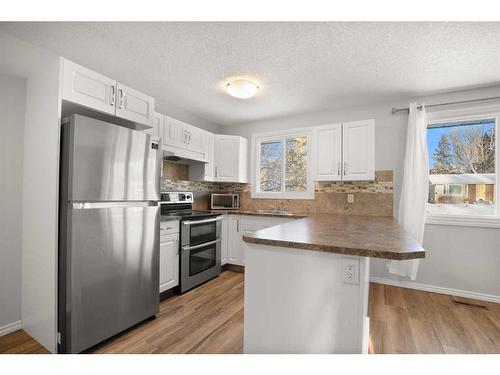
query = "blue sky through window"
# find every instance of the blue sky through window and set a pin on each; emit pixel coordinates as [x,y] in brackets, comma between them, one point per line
[434,134]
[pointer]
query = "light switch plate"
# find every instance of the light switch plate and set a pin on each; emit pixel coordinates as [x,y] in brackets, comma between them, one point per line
[350,198]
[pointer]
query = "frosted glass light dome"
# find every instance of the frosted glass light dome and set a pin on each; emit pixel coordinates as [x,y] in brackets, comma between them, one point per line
[242,88]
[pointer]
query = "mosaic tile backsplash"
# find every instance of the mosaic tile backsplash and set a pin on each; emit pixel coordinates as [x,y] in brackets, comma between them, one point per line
[371,197]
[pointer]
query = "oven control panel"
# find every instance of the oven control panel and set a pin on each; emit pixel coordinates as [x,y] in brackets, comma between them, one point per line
[177,197]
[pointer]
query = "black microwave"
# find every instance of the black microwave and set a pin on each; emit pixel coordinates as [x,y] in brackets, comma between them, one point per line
[225,201]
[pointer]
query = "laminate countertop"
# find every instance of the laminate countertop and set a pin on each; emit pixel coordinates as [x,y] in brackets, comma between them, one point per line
[284,214]
[366,236]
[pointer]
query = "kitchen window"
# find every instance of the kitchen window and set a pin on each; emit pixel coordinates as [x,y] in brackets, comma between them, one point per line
[282,165]
[463,171]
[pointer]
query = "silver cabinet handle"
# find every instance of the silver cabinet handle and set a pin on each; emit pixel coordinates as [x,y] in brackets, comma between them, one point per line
[196,222]
[187,248]
[345,168]
[216,171]
[121,97]
[338,168]
[238,226]
[112,99]
[185,136]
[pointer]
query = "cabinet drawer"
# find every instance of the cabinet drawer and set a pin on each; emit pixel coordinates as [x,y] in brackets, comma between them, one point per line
[169,227]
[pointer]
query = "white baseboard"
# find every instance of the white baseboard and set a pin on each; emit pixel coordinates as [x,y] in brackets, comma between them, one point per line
[11,327]
[436,289]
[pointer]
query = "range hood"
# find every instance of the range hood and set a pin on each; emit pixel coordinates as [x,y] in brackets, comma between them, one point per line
[171,156]
[176,156]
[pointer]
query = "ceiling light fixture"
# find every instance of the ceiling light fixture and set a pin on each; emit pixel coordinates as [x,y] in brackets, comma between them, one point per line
[242,88]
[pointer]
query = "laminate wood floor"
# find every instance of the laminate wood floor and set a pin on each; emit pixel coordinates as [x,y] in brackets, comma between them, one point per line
[209,319]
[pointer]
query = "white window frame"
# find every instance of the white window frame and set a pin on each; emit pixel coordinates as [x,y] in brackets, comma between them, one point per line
[462,114]
[257,139]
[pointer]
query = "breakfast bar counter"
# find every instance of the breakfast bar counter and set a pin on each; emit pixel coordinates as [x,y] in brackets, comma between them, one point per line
[307,281]
[367,236]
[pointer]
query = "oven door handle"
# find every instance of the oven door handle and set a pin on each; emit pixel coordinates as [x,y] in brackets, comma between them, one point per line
[195,222]
[187,248]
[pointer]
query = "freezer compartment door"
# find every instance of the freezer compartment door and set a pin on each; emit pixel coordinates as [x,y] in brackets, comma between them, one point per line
[108,162]
[113,271]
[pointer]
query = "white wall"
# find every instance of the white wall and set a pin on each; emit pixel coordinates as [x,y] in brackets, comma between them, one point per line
[462,258]
[12,109]
[40,184]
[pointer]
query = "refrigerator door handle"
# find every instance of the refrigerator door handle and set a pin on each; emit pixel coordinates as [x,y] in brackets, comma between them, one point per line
[94,205]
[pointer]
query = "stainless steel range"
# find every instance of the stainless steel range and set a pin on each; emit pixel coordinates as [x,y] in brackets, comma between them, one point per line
[200,237]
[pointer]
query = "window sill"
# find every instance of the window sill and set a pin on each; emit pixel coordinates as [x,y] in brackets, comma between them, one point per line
[464,221]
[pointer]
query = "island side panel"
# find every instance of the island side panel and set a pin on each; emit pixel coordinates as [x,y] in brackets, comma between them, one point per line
[296,302]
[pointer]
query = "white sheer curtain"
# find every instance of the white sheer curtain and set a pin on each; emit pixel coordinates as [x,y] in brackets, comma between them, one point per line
[415,190]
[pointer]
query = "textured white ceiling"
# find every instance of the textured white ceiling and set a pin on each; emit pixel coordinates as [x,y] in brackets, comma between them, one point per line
[303,67]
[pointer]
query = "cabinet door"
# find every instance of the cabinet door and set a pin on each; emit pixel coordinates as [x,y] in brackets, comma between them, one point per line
[209,166]
[134,105]
[226,157]
[88,88]
[359,150]
[224,242]
[169,262]
[195,140]
[155,131]
[327,152]
[174,133]
[234,245]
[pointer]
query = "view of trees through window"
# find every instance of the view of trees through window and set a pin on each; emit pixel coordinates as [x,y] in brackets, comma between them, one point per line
[462,167]
[288,154]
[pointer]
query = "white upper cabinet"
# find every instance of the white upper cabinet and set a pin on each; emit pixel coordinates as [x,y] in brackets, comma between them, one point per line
[230,158]
[327,152]
[344,151]
[209,166]
[93,90]
[88,88]
[134,105]
[157,129]
[359,150]
[195,139]
[173,133]
[185,140]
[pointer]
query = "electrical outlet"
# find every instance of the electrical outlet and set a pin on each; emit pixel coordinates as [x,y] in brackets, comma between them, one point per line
[350,270]
[350,198]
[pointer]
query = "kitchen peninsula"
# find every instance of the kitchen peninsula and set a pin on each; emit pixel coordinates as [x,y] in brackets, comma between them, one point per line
[307,282]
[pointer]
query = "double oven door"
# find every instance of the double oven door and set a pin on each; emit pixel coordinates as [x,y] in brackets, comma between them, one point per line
[200,251]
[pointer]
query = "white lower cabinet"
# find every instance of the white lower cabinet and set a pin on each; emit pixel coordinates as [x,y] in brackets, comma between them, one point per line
[237,225]
[169,261]
[224,241]
[234,243]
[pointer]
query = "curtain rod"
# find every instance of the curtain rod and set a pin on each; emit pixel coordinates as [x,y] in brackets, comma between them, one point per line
[395,110]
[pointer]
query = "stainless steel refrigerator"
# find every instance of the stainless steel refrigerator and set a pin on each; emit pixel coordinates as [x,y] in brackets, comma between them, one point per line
[108,231]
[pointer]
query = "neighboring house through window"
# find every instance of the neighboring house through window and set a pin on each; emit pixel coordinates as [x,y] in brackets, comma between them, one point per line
[463,174]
